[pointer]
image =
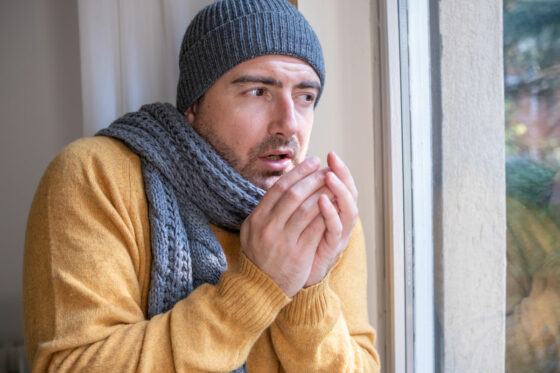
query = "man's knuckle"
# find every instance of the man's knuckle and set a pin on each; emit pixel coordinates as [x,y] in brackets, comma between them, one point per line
[354,212]
[280,186]
[267,232]
[307,210]
[338,228]
[252,219]
[319,176]
[293,194]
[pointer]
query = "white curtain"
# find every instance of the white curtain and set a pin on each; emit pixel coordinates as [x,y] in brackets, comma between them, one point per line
[129,53]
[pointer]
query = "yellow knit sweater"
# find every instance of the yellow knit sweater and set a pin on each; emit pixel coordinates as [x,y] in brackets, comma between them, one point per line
[87,276]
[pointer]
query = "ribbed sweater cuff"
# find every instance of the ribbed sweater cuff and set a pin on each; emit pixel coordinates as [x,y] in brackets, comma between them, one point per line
[308,306]
[251,296]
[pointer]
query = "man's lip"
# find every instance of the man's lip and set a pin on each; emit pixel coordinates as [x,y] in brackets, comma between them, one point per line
[287,152]
[276,165]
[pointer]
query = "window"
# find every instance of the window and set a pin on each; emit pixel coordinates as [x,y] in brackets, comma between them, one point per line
[445,161]
[419,107]
[532,111]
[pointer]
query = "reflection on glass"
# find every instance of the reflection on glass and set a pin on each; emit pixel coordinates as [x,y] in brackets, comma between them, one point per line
[532,91]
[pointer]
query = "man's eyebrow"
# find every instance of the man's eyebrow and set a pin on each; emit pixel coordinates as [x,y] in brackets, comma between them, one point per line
[309,84]
[273,82]
[257,79]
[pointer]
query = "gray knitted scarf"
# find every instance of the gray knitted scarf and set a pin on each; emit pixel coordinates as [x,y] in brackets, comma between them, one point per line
[188,185]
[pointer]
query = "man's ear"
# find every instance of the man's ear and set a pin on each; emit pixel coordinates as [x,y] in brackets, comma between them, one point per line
[191,113]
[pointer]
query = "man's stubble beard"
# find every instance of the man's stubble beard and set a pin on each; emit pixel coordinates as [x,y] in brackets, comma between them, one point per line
[250,170]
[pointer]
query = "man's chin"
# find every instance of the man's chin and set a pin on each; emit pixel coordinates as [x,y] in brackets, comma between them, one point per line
[266,182]
[265,179]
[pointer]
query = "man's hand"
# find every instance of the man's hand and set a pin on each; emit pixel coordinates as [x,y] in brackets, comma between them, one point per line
[283,233]
[339,218]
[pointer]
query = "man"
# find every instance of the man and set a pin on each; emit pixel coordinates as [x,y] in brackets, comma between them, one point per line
[200,238]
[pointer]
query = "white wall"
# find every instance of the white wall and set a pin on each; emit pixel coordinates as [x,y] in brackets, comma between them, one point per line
[471,253]
[344,120]
[40,111]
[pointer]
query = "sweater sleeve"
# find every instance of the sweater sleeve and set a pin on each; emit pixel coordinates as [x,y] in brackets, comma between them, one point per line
[325,328]
[85,280]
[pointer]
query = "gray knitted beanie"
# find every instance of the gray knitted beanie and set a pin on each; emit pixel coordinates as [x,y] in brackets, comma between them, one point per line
[229,32]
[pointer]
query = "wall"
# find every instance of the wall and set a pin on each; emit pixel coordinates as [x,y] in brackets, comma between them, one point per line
[470,193]
[40,107]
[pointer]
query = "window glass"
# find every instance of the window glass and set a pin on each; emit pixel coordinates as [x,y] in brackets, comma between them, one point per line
[532,111]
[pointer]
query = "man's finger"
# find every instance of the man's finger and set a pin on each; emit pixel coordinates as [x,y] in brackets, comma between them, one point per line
[341,170]
[297,195]
[333,224]
[307,210]
[344,200]
[283,184]
[312,235]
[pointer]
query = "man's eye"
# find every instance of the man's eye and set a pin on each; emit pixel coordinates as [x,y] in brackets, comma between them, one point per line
[307,97]
[257,92]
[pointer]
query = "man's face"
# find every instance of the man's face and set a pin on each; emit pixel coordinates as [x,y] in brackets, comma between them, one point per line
[258,116]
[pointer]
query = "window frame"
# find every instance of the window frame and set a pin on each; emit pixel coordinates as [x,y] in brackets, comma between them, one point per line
[391,153]
[406,127]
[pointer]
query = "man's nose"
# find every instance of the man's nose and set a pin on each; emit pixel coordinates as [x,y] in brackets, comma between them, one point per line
[284,117]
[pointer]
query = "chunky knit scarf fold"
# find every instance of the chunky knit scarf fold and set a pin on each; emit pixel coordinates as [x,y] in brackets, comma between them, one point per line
[188,185]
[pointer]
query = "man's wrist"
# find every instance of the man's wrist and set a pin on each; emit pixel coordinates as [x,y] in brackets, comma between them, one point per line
[250,295]
[309,306]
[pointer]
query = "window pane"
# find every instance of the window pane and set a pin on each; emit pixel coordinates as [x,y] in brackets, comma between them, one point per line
[532,110]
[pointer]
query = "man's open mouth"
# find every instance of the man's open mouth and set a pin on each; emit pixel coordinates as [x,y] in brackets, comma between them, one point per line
[276,157]
[279,154]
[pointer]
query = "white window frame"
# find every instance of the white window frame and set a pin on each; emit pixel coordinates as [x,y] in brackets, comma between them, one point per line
[392,175]
[420,108]
[407,169]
